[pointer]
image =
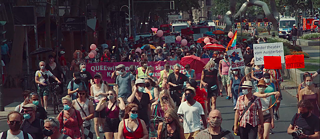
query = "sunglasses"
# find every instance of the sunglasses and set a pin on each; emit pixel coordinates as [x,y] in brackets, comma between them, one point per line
[27,111]
[14,122]
[53,120]
[109,94]
[134,111]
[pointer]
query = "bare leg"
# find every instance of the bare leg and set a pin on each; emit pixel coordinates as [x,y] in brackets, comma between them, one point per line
[213,102]
[96,126]
[45,102]
[266,131]
[108,135]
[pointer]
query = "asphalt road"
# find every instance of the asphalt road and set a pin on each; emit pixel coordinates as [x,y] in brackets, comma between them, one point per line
[287,110]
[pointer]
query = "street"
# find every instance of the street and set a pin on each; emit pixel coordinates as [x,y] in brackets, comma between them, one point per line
[287,109]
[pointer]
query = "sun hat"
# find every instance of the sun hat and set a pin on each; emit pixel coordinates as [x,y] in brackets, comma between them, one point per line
[246,84]
[139,81]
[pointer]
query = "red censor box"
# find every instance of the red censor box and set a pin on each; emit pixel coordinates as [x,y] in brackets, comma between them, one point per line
[272,62]
[294,61]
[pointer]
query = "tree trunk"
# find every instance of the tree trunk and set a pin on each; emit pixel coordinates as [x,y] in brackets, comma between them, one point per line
[48,25]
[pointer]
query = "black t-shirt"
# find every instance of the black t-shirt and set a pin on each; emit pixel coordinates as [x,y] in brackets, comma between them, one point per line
[85,76]
[41,113]
[247,59]
[34,129]
[210,77]
[294,32]
[309,125]
[181,79]
[318,71]
[143,107]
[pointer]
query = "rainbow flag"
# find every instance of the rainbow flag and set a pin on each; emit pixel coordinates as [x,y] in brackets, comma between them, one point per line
[233,41]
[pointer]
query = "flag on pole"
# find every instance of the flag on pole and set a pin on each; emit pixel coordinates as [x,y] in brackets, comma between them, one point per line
[233,41]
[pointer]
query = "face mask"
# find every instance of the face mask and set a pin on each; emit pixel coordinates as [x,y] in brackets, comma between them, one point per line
[110,97]
[211,68]
[215,122]
[140,89]
[66,107]
[267,80]
[77,81]
[167,69]
[26,116]
[83,69]
[15,127]
[150,74]
[35,102]
[309,83]
[261,89]
[42,67]
[133,116]
[148,84]
[235,72]
[245,91]
[304,115]
[47,132]
[189,97]
[119,72]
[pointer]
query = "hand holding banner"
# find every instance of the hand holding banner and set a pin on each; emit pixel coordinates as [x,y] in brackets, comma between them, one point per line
[294,61]
[272,62]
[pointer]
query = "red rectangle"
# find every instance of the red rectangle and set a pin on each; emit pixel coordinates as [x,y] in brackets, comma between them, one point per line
[272,62]
[294,61]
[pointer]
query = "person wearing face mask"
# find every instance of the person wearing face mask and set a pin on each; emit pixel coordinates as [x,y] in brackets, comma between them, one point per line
[25,95]
[312,94]
[164,73]
[246,121]
[271,88]
[176,80]
[74,85]
[303,84]
[191,112]
[84,74]
[224,67]
[32,124]
[151,90]
[14,121]
[56,70]
[70,120]
[209,80]
[51,129]
[142,99]
[42,79]
[235,81]
[112,106]
[142,72]
[306,121]
[124,82]
[131,126]
[40,111]
[160,56]
[214,131]
[247,56]
[256,74]
[171,127]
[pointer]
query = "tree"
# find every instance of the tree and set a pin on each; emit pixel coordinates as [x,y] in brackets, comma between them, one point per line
[187,6]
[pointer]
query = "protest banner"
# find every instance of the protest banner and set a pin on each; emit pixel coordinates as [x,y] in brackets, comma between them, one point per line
[169,39]
[294,61]
[106,68]
[272,62]
[197,36]
[267,49]
[236,59]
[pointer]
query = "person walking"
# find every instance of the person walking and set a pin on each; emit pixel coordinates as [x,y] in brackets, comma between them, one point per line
[124,82]
[171,127]
[176,80]
[32,124]
[14,121]
[209,80]
[51,129]
[294,34]
[224,67]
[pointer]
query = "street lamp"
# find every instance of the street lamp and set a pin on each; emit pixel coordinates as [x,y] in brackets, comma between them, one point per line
[128,15]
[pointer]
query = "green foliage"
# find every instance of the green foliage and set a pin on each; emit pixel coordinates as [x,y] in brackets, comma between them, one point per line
[186,5]
[310,68]
[311,36]
[261,29]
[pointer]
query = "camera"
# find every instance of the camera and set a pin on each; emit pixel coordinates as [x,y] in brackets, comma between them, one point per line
[297,133]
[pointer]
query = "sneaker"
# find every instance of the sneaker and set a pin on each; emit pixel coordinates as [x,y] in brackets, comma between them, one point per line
[100,129]
[276,116]
[227,97]
[271,132]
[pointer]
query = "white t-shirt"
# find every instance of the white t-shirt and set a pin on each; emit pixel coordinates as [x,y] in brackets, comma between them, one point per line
[19,136]
[40,74]
[96,91]
[191,116]
[265,104]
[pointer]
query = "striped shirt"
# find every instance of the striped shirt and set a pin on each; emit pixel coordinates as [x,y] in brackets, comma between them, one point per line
[251,116]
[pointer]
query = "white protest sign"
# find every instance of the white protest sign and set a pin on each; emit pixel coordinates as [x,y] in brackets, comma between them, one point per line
[197,36]
[236,59]
[267,49]
[169,39]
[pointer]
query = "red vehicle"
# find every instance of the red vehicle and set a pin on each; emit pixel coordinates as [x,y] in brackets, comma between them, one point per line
[307,22]
[314,25]
[166,28]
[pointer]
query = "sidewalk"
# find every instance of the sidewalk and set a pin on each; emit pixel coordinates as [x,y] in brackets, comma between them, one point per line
[290,87]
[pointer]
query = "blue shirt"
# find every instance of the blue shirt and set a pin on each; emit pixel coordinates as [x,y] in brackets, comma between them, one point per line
[4,49]
[75,86]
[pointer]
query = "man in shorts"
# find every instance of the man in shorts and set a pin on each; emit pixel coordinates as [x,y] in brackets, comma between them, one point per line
[294,34]
[224,67]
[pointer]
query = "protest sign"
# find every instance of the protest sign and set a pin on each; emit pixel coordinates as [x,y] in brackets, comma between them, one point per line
[197,36]
[267,49]
[236,59]
[272,62]
[169,39]
[294,61]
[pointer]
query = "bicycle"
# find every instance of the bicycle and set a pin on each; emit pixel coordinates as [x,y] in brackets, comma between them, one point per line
[56,98]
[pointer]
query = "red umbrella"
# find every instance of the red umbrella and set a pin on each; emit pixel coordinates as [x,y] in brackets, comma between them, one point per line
[217,47]
[200,40]
[218,32]
[194,62]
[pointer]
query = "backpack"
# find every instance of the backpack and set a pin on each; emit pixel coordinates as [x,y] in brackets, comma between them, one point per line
[5,134]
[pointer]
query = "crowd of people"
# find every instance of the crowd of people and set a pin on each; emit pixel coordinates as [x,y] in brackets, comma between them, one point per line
[174,105]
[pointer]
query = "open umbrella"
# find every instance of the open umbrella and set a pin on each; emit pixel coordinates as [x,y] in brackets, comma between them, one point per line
[218,32]
[148,45]
[194,62]
[200,40]
[217,47]
[41,50]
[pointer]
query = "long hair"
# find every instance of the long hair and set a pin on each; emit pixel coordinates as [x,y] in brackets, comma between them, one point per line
[171,103]
[210,63]
[128,109]
[75,56]
[175,118]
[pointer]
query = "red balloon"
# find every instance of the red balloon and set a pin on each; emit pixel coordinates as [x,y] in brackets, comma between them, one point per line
[178,38]
[93,46]
[184,42]
[91,55]
[159,33]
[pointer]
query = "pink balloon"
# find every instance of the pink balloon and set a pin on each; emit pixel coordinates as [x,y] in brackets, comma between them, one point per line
[138,50]
[94,52]
[159,33]
[230,34]
[93,46]
[178,38]
[184,42]
[206,40]
[91,55]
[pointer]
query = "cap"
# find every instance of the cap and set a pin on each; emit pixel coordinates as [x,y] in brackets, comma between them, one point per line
[294,25]
[166,65]
[247,84]
[97,76]
[62,52]
[193,83]
[262,83]
[121,66]
[34,107]
[266,75]
[77,75]
[190,88]
[139,81]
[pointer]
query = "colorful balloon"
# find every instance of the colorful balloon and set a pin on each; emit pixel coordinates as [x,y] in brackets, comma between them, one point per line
[93,46]
[230,34]
[178,38]
[206,40]
[94,52]
[91,55]
[184,42]
[159,33]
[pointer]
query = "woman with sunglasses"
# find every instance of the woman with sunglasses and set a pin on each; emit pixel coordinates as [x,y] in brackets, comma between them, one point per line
[171,128]
[132,127]
[86,109]
[112,108]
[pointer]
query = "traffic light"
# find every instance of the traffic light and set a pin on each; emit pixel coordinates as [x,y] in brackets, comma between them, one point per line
[2,31]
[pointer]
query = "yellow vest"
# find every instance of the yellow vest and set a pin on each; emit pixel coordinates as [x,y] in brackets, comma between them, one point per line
[142,74]
[161,76]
